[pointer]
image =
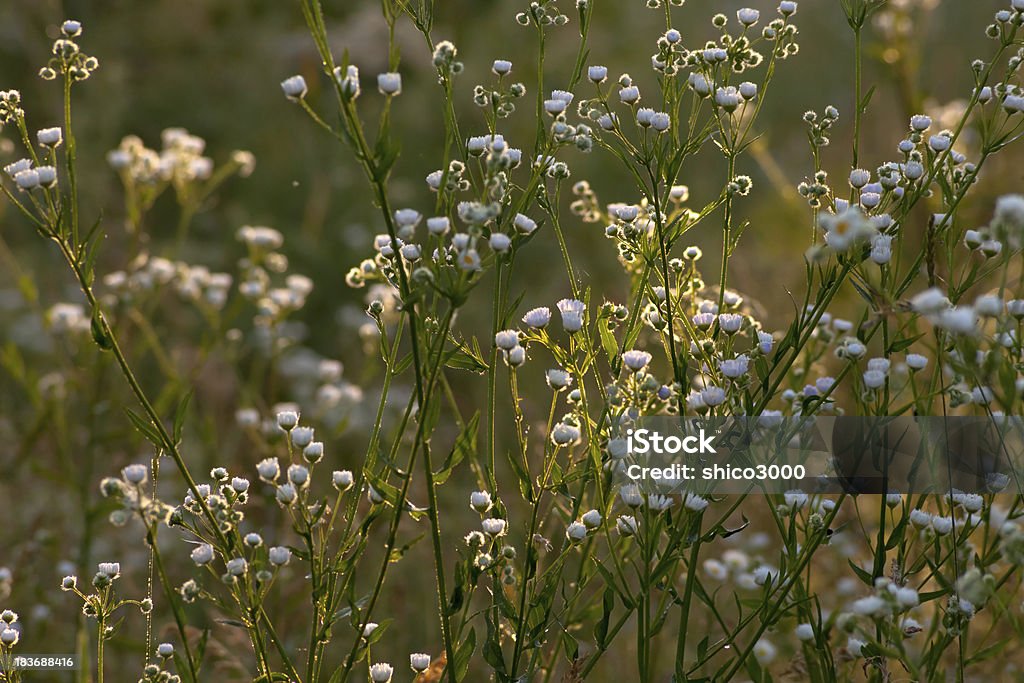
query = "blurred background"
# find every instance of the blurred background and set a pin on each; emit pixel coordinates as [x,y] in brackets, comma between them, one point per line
[214,68]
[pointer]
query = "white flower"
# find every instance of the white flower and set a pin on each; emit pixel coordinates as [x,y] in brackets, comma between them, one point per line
[942,525]
[493,526]
[906,596]
[764,574]
[636,360]
[50,137]
[736,560]
[202,553]
[1009,209]
[564,434]
[712,396]
[626,525]
[991,247]
[341,479]
[572,314]
[631,496]
[554,107]
[302,436]
[438,225]
[795,499]
[480,501]
[237,566]
[14,168]
[381,672]
[916,361]
[389,84]
[591,519]
[844,229]
[516,356]
[286,494]
[71,28]
[287,419]
[805,632]
[135,474]
[930,301]
[558,379]
[747,16]
[988,305]
[576,532]
[597,74]
[920,123]
[279,555]
[537,318]
[269,469]
[661,121]
[348,80]
[727,98]
[618,448]
[419,661]
[659,503]
[787,8]
[9,637]
[499,242]
[874,379]
[524,224]
[730,323]
[920,518]
[695,503]
[47,175]
[469,260]
[735,367]
[765,342]
[859,178]
[881,248]
[506,340]
[958,320]
[500,67]
[872,605]
[748,90]
[294,87]
[910,627]
[715,569]
[699,84]
[855,647]
[764,651]
[27,180]
[630,95]
[939,143]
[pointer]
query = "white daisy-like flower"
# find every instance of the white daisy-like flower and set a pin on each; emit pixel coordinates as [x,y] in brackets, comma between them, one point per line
[381,672]
[636,360]
[538,318]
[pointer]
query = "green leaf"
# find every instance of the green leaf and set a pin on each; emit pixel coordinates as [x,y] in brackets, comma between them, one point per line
[464,654]
[398,553]
[465,445]
[492,647]
[903,343]
[179,416]
[145,427]
[608,341]
[99,331]
[601,630]
[462,357]
[864,576]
